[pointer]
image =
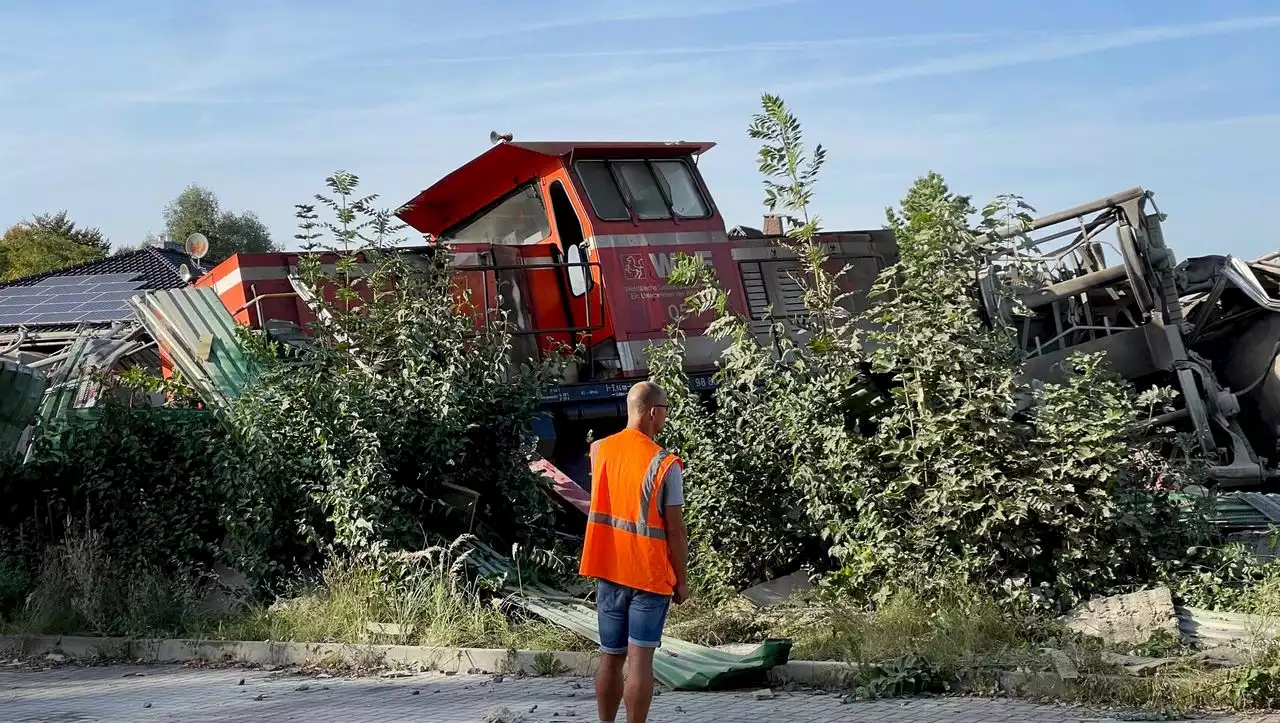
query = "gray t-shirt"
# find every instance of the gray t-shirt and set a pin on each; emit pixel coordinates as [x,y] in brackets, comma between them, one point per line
[672,483]
[673,487]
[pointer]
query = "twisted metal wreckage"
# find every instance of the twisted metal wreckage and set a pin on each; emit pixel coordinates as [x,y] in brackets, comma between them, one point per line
[1207,326]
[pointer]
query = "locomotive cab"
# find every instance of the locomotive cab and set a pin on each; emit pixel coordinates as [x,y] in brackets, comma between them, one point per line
[582,236]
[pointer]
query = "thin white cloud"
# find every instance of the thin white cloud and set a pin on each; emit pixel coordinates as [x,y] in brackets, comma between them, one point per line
[892,41]
[613,12]
[1059,48]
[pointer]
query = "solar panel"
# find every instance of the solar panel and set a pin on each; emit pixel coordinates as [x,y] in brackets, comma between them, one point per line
[68,299]
[120,296]
[85,279]
[113,287]
[102,306]
[58,318]
[53,307]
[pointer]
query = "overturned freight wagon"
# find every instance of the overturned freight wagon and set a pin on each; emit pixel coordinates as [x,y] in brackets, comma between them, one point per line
[1206,326]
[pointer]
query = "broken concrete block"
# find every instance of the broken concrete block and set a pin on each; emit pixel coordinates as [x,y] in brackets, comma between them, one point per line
[768,594]
[1062,664]
[389,629]
[503,715]
[1026,684]
[1130,619]
[1225,656]
[765,694]
[1136,664]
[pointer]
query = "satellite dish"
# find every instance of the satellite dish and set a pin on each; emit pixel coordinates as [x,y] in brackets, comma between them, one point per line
[184,273]
[197,245]
[495,137]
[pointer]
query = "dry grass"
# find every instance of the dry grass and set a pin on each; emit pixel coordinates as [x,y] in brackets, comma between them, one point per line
[82,590]
[431,607]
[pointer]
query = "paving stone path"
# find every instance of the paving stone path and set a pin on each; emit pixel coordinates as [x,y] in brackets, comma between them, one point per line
[133,694]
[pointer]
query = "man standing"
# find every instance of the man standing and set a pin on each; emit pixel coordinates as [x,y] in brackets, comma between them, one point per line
[637,548]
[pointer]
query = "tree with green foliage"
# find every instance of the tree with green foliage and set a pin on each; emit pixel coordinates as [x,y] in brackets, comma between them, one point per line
[959,472]
[197,209]
[48,242]
[60,225]
[801,398]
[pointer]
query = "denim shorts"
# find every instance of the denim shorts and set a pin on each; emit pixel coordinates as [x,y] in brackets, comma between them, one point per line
[629,616]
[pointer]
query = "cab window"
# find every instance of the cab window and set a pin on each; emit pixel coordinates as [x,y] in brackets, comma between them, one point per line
[642,189]
[518,219]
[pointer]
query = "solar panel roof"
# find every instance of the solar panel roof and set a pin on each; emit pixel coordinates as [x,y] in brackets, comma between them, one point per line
[96,292]
[70,299]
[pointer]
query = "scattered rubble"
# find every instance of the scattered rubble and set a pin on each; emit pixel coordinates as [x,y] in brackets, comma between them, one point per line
[503,715]
[1129,619]
[1062,664]
[778,591]
[1137,664]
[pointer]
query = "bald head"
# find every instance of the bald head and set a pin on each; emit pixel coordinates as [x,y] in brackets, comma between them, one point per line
[646,407]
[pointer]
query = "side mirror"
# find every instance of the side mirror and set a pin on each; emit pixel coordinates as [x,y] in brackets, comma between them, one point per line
[579,272]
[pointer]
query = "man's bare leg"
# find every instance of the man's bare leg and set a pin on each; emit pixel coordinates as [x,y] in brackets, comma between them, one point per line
[639,687]
[609,686]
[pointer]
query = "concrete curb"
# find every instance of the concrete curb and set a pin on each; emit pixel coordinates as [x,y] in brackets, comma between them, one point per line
[816,673]
[832,674]
[444,660]
[808,673]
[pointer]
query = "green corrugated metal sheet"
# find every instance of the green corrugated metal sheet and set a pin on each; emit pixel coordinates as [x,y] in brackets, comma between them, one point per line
[62,385]
[199,334]
[21,389]
[678,664]
[72,386]
[1245,510]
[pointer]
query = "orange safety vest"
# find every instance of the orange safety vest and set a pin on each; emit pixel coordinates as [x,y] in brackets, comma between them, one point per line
[626,533]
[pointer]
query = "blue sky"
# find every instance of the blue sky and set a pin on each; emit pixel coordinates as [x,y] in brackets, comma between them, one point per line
[109,109]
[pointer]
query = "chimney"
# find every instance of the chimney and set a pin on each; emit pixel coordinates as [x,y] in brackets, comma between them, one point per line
[164,241]
[772,224]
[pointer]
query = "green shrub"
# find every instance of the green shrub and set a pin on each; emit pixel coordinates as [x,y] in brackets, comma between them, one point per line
[915,452]
[367,443]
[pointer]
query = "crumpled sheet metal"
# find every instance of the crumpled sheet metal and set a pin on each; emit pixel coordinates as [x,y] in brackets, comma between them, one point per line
[21,389]
[73,385]
[679,665]
[563,487]
[199,334]
[1239,273]
[1209,628]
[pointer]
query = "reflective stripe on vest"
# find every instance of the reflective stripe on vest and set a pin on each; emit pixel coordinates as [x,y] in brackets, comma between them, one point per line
[641,527]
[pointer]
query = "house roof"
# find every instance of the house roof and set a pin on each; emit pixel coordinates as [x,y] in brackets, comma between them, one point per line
[93,293]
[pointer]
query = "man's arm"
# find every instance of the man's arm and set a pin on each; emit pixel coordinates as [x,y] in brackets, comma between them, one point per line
[591,464]
[677,533]
[678,544]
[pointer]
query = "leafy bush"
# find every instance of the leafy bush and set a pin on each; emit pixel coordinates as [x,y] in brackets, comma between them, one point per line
[405,426]
[154,486]
[964,475]
[404,408]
